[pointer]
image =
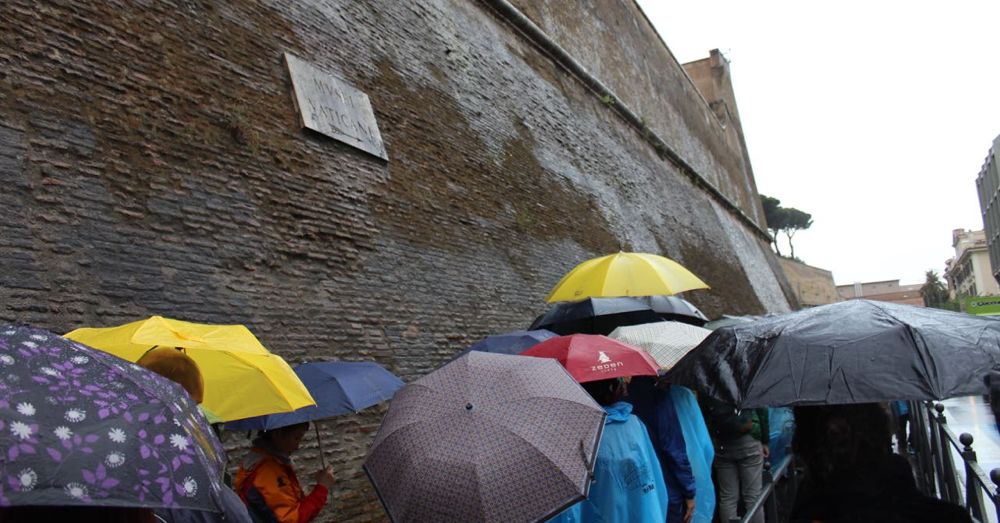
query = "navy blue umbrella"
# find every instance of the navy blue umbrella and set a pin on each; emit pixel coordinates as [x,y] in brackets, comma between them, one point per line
[339,387]
[511,342]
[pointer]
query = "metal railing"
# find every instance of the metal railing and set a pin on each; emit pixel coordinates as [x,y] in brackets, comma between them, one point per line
[936,472]
[784,478]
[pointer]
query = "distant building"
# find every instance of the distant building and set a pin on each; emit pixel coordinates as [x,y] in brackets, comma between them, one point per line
[970,272]
[888,290]
[988,186]
[812,286]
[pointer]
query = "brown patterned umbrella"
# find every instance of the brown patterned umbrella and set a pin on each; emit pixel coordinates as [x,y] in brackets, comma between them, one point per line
[487,437]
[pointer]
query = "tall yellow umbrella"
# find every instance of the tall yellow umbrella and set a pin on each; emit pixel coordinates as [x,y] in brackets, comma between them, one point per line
[242,379]
[624,274]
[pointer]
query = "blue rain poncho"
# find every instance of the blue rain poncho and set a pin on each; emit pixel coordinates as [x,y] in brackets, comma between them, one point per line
[628,484]
[700,451]
[654,406]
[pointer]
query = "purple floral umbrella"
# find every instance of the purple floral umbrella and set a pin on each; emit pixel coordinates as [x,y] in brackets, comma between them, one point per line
[82,427]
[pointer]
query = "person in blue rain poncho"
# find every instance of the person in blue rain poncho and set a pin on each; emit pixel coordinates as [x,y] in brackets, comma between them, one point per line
[654,406]
[628,483]
[683,446]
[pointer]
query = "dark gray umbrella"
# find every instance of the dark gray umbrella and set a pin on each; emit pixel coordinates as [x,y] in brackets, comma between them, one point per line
[855,351]
[595,315]
[487,437]
[674,308]
[726,320]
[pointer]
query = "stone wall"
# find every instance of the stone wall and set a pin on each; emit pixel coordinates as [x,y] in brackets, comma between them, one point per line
[152,163]
[813,286]
[616,42]
[712,77]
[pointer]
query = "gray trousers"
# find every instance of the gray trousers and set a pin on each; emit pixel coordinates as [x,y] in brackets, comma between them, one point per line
[739,468]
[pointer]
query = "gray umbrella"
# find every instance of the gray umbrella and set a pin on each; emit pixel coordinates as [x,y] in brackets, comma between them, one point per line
[487,437]
[675,308]
[855,351]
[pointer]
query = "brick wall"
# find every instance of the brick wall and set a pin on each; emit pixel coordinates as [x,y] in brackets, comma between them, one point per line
[151,162]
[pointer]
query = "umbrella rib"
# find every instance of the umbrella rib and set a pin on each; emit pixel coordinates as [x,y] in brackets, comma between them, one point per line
[536,449]
[267,378]
[422,420]
[548,398]
[925,360]
[669,288]
[607,273]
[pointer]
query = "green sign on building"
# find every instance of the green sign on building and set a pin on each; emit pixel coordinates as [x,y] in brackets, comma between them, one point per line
[983,305]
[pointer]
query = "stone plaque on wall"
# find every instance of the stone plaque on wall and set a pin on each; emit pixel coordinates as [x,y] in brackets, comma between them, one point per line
[331,106]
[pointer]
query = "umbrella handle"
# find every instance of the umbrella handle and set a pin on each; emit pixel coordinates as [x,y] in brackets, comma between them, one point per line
[319,443]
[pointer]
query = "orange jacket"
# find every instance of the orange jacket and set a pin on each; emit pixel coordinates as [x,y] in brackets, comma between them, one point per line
[269,487]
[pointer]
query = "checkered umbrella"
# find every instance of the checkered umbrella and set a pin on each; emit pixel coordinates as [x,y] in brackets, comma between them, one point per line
[666,341]
[487,437]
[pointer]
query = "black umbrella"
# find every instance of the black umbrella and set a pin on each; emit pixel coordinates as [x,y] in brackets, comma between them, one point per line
[726,321]
[675,309]
[856,351]
[80,427]
[595,316]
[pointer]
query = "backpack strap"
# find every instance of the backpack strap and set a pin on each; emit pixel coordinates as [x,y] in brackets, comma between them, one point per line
[248,480]
[256,507]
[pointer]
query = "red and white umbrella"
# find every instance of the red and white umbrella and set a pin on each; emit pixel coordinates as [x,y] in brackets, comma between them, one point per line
[589,357]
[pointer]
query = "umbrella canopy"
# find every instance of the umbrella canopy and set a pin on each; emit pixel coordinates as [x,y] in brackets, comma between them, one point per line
[675,308]
[82,427]
[339,387]
[594,316]
[855,351]
[666,341]
[624,274]
[511,342]
[487,437]
[591,358]
[234,364]
[726,320]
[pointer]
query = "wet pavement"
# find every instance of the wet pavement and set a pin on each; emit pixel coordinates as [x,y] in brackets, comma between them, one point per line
[972,414]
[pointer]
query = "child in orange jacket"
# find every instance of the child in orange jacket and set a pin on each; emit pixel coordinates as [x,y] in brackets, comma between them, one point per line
[268,485]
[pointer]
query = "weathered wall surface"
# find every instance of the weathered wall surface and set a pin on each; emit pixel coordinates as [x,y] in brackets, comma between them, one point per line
[813,286]
[712,78]
[151,162]
[615,41]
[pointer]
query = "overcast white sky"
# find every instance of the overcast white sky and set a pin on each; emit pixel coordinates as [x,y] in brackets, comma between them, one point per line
[873,116]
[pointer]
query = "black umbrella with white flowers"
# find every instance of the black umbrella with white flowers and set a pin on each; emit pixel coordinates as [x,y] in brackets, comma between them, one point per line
[80,427]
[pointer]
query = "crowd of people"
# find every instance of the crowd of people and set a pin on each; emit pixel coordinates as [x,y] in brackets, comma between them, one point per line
[652,464]
[851,472]
[266,487]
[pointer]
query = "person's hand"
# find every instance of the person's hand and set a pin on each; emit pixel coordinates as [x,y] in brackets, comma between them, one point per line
[765,450]
[325,477]
[689,510]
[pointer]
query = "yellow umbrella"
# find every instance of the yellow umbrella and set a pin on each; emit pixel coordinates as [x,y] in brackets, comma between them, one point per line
[242,379]
[624,274]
